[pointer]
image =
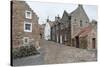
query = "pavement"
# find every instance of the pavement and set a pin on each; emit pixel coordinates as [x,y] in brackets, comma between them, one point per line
[30,60]
[55,53]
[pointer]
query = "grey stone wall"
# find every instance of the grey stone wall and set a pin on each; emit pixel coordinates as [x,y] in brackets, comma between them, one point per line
[78,16]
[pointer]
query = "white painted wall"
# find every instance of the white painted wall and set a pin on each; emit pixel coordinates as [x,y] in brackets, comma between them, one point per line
[47,32]
[57,38]
[61,39]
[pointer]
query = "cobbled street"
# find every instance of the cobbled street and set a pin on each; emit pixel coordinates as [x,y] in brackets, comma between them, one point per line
[54,53]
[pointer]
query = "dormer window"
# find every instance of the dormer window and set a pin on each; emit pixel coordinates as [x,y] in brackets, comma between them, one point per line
[28,14]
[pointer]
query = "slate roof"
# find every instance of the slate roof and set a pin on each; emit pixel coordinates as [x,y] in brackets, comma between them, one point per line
[78,9]
[51,23]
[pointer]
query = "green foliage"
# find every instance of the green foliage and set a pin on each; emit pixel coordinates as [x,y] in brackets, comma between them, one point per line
[83,43]
[24,51]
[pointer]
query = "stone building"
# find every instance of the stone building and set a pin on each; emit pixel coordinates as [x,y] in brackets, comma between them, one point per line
[25,27]
[82,30]
[88,36]
[79,20]
[65,30]
[42,28]
[60,29]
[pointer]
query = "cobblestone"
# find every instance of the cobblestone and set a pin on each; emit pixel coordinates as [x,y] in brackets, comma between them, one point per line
[59,53]
[54,53]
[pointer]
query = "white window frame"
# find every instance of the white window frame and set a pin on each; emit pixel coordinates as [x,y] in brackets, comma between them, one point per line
[26,16]
[25,27]
[27,40]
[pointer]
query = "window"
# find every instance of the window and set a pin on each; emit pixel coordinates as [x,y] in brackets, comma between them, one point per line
[26,40]
[86,22]
[75,20]
[28,14]
[27,27]
[81,23]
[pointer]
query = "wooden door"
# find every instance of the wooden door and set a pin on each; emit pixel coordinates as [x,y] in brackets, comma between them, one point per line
[77,41]
[93,43]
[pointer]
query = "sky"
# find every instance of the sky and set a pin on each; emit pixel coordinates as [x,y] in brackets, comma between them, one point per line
[49,10]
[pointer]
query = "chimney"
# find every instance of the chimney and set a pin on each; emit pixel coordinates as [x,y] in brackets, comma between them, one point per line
[57,18]
[48,19]
[80,5]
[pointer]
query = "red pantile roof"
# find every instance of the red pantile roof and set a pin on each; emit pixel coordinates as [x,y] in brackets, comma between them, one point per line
[85,31]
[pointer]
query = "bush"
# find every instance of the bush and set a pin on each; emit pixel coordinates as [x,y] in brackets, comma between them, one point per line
[15,52]
[24,51]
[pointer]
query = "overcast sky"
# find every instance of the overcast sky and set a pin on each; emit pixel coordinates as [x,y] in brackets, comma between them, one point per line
[45,9]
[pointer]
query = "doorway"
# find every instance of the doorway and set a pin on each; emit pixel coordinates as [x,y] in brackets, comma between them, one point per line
[77,41]
[73,42]
[93,43]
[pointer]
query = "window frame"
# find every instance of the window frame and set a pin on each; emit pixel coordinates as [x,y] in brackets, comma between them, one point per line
[25,27]
[26,15]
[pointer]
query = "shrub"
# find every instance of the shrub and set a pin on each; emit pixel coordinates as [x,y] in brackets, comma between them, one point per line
[24,51]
